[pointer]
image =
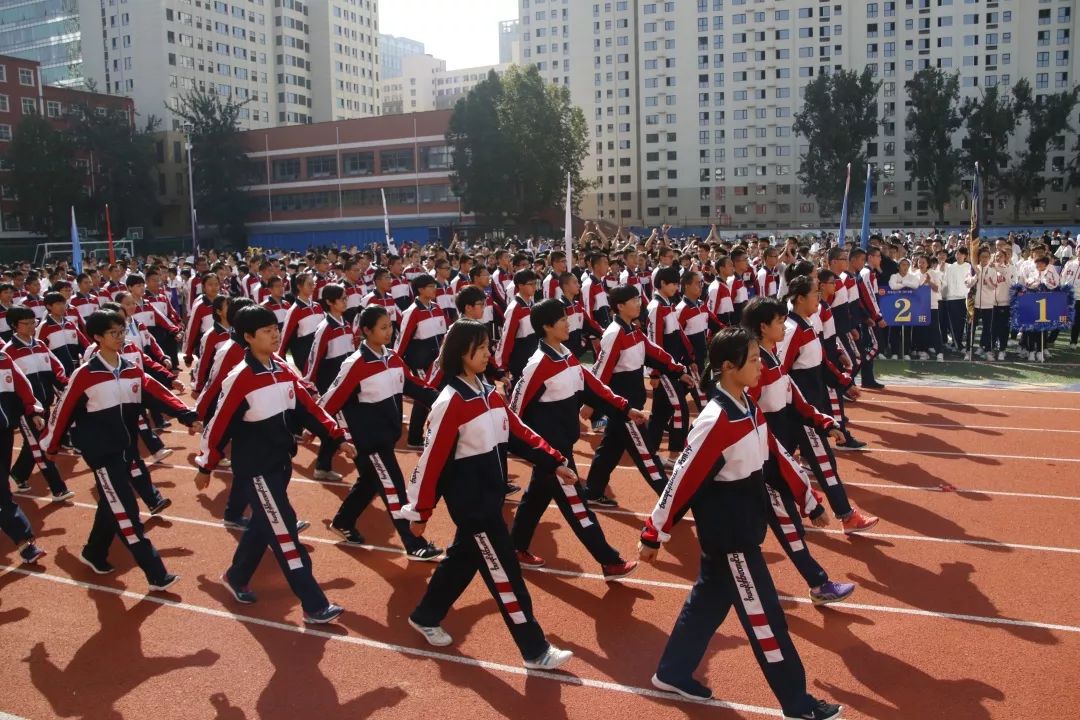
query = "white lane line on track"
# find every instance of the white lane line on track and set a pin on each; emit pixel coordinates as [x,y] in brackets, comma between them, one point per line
[491,666]
[858,421]
[869,402]
[663,583]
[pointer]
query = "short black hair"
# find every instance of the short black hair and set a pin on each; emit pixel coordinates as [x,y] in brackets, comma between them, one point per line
[134,279]
[251,319]
[330,293]
[18,313]
[469,295]
[666,276]
[370,316]
[566,277]
[622,294]
[463,337]
[100,322]
[524,277]
[545,314]
[422,281]
[235,306]
[52,297]
[762,310]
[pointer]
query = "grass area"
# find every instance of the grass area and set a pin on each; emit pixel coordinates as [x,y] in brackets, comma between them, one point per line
[1061,370]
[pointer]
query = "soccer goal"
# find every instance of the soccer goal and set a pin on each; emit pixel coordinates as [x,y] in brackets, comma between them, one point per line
[96,249]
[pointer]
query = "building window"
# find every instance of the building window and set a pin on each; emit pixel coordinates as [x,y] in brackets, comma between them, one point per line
[29,106]
[5,133]
[52,108]
[4,106]
[397,161]
[286,170]
[361,163]
[323,166]
[26,77]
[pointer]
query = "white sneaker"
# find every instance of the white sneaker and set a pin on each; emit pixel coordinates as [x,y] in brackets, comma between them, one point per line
[1001,355]
[160,455]
[933,351]
[550,660]
[1039,357]
[894,357]
[669,463]
[434,635]
[941,357]
[225,463]
[907,357]
[924,356]
[1046,354]
[1031,357]
[329,475]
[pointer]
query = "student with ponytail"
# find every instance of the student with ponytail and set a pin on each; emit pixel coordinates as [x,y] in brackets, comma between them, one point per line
[720,477]
[802,357]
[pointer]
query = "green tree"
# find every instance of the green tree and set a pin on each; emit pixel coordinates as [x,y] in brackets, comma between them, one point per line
[43,177]
[221,165]
[1048,117]
[989,121]
[124,164]
[514,139]
[931,122]
[839,117]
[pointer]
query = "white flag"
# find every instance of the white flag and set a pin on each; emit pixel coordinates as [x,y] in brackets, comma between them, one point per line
[569,231]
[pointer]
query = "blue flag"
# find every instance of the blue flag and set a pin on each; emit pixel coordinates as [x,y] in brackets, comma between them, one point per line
[976,202]
[76,247]
[844,210]
[866,210]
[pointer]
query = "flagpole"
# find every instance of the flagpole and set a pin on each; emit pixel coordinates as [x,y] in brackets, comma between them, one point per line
[568,231]
[390,249]
[865,240]
[844,210]
[108,234]
[973,254]
[76,246]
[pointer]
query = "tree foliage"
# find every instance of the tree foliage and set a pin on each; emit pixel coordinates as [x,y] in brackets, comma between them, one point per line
[1048,117]
[839,117]
[989,121]
[514,139]
[221,167]
[123,166]
[931,122]
[43,177]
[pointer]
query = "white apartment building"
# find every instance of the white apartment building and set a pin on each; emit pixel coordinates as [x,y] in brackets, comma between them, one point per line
[292,62]
[426,84]
[691,103]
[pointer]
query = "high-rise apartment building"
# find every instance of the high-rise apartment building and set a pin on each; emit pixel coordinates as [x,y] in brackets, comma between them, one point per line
[392,49]
[47,32]
[426,84]
[509,42]
[690,104]
[291,62]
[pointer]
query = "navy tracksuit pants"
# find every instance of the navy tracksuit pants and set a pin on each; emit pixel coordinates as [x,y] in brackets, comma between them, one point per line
[379,474]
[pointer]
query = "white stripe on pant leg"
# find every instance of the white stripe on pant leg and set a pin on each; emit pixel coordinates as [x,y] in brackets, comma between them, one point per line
[834,405]
[576,505]
[277,524]
[108,493]
[695,376]
[673,400]
[393,502]
[643,451]
[751,602]
[503,589]
[32,441]
[821,456]
[787,526]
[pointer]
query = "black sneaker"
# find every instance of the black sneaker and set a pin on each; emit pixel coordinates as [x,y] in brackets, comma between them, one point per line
[326,615]
[31,553]
[162,504]
[851,444]
[21,486]
[242,593]
[101,567]
[240,523]
[349,536]
[165,583]
[688,688]
[65,494]
[873,386]
[427,553]
[603,501]
[510,489]
[821,711]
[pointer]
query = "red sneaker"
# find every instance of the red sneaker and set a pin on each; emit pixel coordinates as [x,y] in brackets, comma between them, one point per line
[619,570]
[527,560]
[857,522]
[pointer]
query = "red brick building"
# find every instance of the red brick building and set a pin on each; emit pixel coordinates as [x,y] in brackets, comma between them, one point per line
[322,184]
[22,94]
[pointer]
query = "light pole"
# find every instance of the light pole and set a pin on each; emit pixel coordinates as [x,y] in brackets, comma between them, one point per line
[188,127]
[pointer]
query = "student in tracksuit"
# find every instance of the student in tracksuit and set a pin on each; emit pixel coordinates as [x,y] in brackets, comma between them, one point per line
[802,357]
[785,411]
[721,477]
[101,407]
[670,410]
[46,376]
[261,402]
[301,322]
[334,341]
[624,351]
[61,334]
[548,398]
[518,339]
[464,462]
[865,318]
[17,402]
[837,361]
[697,324]
[582,327]
[423,327]
[367,393]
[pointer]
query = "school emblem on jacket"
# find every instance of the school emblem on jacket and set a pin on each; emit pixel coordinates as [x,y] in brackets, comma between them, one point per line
[135,388]
[292,394]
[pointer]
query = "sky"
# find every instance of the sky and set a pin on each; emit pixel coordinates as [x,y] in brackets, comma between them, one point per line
[464,34]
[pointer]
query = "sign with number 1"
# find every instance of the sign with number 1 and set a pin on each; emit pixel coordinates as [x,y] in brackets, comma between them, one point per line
[1041,311]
